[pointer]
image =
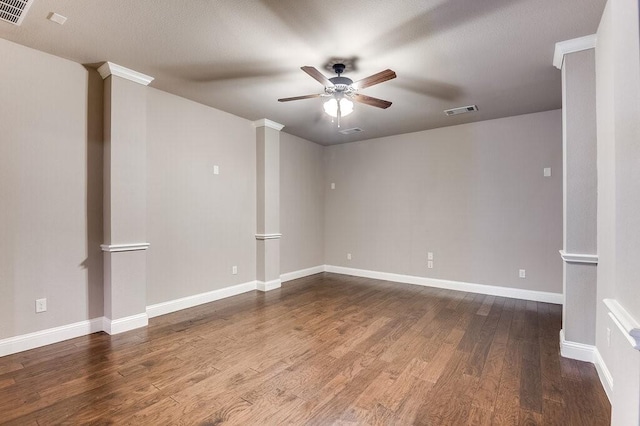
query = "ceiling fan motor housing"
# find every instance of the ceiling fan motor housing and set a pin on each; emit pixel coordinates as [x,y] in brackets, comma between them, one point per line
[339,68]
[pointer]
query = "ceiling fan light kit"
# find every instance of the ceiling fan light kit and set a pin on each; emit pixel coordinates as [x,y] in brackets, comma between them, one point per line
[333,107]
[342,91]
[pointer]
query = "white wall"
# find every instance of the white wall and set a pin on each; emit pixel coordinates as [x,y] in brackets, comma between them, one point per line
[50,191]
[301,204]
[618,111]
[199,224]
[473,194]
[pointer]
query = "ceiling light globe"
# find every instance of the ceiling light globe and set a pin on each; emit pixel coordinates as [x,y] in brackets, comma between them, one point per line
[331,107]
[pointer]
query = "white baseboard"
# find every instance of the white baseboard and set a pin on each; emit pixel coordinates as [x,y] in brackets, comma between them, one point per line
[45,337]
[588,353]
[575,350]
[198,299]
[516,293]
[604,374]
[268,285]
[289,276]
[121,325]
[25,342]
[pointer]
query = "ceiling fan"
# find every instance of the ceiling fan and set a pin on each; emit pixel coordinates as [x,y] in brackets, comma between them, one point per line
[342,90]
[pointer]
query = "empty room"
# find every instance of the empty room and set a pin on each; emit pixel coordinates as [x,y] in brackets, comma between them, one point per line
[268,212]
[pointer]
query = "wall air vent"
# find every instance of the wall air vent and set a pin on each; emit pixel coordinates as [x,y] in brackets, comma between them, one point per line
[13,11]
[461,110]
[350,131]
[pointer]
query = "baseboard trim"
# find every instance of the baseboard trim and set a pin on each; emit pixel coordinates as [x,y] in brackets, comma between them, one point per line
[198,299]
[516,293]
[290,276]
[575,350]
[604,374]
[588,353]
[121,325]
[37,339]
[58,334]
[268,285]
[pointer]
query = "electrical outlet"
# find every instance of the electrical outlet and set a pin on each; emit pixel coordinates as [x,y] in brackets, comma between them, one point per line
[234,270]
[216,170]
[608,337]
[430,255]
[41,305]
[430,264]
[523,273]
[333,185]
[348,256]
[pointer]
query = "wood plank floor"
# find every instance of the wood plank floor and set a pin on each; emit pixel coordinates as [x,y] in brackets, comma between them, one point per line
[326,349]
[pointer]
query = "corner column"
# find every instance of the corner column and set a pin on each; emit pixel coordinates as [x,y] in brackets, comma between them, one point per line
[576,60]
[268,204]
[125,175]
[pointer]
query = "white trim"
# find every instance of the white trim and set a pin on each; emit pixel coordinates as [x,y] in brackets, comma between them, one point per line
[198,299]
[625,322]
[121,325]
[516,293]
[268,236]
[588,353]
[109,68]
[268,123]
[578,258]
[572,46]
[289,276]
[40,338]
[124,247]
[575,350]
[268,285]
[603,373]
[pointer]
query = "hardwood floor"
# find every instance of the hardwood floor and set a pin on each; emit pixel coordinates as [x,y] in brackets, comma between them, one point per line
[326,349]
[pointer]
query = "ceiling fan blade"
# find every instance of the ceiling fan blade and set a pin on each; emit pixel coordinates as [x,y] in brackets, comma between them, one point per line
[380,77]
[364,99]
[317,75]
[297,98]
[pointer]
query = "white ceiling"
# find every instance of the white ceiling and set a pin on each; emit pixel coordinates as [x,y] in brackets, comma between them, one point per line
[240,56]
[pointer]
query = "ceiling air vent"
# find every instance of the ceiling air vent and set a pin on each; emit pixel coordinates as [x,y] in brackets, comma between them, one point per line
[461,110]
[13,11]
[350,131]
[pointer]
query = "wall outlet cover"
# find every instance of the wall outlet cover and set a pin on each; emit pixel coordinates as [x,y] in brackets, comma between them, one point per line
[41,305]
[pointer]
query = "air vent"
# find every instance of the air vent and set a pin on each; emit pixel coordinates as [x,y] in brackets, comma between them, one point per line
[461,110]
[13,11]
[350,131]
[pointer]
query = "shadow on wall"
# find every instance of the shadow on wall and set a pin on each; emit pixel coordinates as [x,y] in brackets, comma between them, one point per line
[94,261]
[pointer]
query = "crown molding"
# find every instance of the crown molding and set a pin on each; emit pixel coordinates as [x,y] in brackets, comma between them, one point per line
[571,46]
[268,123]
[578,258]
[109,68]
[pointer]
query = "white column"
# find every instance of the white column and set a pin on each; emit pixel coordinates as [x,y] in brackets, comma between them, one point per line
[268,204]
[125,157]
[576,58]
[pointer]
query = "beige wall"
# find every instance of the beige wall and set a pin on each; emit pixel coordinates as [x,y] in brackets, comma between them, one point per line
[618,112]
[50,191]
[473,194]
[301,204]
[199,224]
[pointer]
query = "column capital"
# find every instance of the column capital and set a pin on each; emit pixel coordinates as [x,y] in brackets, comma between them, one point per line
[109,68]
[571,46]
[268,123]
